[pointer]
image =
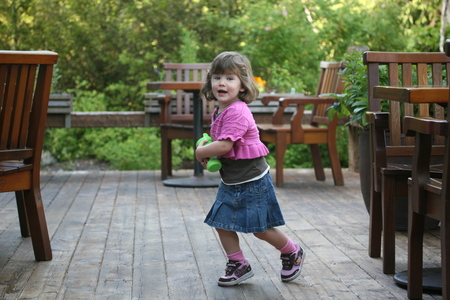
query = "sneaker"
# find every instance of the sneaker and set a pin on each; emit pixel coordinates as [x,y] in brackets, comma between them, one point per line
[235,273]
[292,264]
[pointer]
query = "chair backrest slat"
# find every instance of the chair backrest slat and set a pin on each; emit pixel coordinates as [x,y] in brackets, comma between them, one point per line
[408,70]
[329,82]
[25,77]
[186,72]
[7,102]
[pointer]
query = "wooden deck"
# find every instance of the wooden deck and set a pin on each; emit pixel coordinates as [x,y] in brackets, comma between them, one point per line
[124,235]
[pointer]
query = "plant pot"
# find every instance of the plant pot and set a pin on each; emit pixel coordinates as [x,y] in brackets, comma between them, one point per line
[401,203]
[364,166]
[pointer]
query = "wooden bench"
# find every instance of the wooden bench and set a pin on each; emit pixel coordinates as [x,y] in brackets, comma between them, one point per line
[61,115]
[262,113]
[59,110]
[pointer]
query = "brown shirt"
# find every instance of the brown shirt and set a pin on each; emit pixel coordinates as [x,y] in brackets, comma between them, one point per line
[236,171]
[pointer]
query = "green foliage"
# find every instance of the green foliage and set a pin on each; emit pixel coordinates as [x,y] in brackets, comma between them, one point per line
[86,100]
[281,81]
[352,22]
[109,49]
[123,148]
[118,44]
[422,24]
[278,49]
[189,47]
[354,102]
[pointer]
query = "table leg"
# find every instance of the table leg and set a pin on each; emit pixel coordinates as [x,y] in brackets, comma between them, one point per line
[198,129]
[198,180]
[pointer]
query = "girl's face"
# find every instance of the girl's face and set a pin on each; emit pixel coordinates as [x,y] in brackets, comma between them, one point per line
[226,88]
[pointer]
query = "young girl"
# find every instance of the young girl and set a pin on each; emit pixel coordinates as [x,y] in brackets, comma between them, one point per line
[246,200]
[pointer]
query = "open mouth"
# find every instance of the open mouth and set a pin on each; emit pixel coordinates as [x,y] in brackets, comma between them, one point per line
[222,92]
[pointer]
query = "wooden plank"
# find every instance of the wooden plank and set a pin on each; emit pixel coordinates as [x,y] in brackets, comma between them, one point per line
[88,254]
[124,235]
[116,272]
[206,247]
[66,221]
[149,278]
[23,258]
[178,252]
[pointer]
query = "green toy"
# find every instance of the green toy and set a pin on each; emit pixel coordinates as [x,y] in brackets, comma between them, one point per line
[214,163]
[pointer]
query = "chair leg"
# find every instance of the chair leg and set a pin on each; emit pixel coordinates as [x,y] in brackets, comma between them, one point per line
[317,161]
[335,163]
[24,228]
[388,227]
[445,252]
[280,150]
[375,224]
[166,155]
[415,254]
[169,157]
[38,225]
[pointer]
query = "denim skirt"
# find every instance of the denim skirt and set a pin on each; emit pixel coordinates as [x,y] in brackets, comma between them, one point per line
[249,207]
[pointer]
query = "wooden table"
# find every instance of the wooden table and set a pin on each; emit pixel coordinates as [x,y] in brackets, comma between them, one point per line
[198,180]
[431,276]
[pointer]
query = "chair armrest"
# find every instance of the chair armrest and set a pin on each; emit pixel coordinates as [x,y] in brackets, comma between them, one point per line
[423,128]
[266,99]
[275,97]
[424,125]
[379,119]
[164,103]
[378,123]
[285,102]
[163,99]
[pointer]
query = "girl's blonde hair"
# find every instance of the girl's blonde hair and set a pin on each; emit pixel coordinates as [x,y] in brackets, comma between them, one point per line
[238,65]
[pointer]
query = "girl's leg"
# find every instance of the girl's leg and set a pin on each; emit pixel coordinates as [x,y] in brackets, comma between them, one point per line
[238,269]
[274,237]
[229,240]
[292,255]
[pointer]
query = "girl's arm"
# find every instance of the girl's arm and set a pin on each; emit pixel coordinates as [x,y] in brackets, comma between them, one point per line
[216,148]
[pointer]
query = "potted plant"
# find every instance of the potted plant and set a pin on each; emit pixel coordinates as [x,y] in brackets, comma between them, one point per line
[353,103]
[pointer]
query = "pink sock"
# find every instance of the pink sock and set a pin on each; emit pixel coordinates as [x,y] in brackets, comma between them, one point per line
[239,256]
[289,247]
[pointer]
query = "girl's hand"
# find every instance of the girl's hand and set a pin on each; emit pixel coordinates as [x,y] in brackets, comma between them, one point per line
[215,148]
[199,158]
[204,162]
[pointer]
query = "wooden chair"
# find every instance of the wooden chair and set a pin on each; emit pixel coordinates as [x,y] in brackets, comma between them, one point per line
[176,118]
[427,197]
[320,130]
[25,78]
[391,152]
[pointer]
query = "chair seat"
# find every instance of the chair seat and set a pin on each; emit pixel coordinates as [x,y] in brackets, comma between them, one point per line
[277,128]
[287,128]
[405,170]
[435,186]
[11,167]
